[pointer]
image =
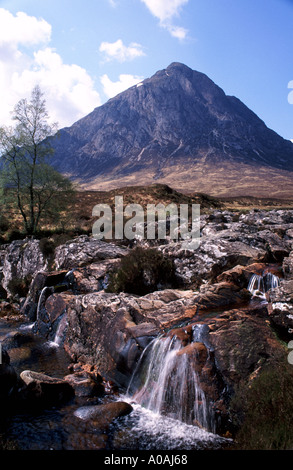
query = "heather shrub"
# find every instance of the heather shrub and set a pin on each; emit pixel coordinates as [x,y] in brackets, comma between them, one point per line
[142,271]
[266,410]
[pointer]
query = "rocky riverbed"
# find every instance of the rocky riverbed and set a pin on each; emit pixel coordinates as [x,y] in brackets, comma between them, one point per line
[225,333]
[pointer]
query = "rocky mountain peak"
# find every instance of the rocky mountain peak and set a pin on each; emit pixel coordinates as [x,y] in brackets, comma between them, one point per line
[176,127]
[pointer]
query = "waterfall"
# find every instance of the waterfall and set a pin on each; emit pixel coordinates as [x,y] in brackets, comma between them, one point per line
[271,281]
[60,332]
[260,284]
[43,291]
[165,382]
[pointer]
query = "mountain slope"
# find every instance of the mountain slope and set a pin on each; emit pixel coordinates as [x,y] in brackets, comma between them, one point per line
[179,128]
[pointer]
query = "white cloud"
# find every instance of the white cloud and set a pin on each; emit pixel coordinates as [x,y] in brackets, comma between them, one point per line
[118,51]
[177,31]
[26,60]
[165,11]
[22,29]
[125,81]
[69,90]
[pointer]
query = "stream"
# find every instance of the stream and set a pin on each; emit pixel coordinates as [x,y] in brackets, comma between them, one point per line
[170,411]
[67,427]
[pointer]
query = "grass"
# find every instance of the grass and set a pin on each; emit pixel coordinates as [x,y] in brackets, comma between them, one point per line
[78,218]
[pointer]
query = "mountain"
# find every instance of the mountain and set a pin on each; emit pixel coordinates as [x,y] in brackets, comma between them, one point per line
[177,127]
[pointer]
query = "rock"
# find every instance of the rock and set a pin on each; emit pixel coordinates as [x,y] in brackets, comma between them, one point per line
[84,385]
[21,260]
[200,353]
[51,322]
[242,343]
[92,278]
[133,322]
[16,339]
[240,275]
[45,389]
[287,266]
[85,250]
[211,258]
[221,294]
[101,416]
[53,281]
[280,309]
[87,440]
[223,245]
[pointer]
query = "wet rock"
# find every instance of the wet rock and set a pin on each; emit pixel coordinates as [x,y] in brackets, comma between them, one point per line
[16,339]
[200,353]
[111,330]
[101,416]
[133,322]
[242,344]
[221,294]
[46,282]
[84,385]
[240,275]
[51,322]
[45,389]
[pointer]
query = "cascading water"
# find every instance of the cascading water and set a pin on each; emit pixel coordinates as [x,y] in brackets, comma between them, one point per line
[41,298]
[165,381]
[60,332]
[260,284]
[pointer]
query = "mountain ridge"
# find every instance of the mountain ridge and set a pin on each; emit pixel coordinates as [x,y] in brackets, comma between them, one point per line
[177,127]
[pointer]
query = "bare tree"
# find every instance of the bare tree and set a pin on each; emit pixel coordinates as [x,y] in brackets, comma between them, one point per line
[34,186]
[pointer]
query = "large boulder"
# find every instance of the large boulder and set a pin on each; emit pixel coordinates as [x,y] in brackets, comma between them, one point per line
[21,260]
[85,250]
[89,425]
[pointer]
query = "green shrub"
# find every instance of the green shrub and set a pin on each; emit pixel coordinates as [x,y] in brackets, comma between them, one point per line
[267,407]
[142,271]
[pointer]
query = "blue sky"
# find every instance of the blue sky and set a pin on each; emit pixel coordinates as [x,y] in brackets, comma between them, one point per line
[82,53]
